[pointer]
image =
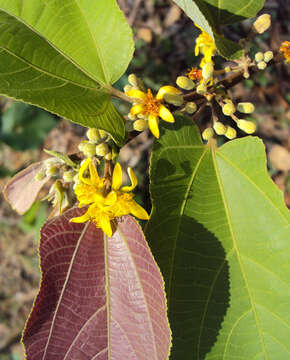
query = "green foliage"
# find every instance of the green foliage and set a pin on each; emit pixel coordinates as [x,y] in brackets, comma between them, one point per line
[24,126]
[219,231]
[69,60]
[210,14]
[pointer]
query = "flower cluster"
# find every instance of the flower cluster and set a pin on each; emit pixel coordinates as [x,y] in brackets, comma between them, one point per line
[103,205]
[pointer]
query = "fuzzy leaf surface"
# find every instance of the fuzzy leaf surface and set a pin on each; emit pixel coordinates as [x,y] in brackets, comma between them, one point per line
[219,231]
[21,191]
[100,298]
[69,59]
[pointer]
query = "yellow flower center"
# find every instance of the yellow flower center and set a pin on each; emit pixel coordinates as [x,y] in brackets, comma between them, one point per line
[151,104]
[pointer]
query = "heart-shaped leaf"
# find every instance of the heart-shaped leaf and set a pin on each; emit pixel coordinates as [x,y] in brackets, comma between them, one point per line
[220,233]
[22,190]
[69,59]
[100,298]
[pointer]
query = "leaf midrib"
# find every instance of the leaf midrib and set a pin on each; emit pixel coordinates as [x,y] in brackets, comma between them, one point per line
[81,69]
[64,288]
[235,243]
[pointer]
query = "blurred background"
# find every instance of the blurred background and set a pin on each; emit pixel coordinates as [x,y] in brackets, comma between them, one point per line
[164,49]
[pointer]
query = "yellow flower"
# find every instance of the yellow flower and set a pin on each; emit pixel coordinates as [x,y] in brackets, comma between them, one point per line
[194,74]
[285,49]
[152,107]
[105,207]
[205,45]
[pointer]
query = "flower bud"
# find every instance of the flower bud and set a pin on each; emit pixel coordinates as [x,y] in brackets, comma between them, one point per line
[89,150]
[262,65]
[40,175]
[219,128]
[190,107]
[131,117]
[51,170]
[103,134]
[132,79]
[230,133]
[108,156]
[247,126]
[127,88]
[201,89]
[262,23]
[229,108]
[207,134]
[174,99]
[185,83]
[207,70]
[140,125]
[259,56]
[268,56]
[102,149]
[81,146]
[246,107]
[68,176]
[227,69]
[93,134]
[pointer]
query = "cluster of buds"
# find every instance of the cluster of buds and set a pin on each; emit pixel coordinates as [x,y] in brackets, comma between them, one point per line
[263,58]
[96,145]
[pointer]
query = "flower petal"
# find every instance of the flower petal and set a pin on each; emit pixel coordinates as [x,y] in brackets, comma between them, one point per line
[165,114]
[136,109]
[82,169]
[138,94]
[168,89]
[134,181]
[111,198]
[105,224]
[117,177]
[153,125]
[138,211]
[94,174]
[81,219]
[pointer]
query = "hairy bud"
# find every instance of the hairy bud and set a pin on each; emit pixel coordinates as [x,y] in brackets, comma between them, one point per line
[219,128]
[230,133]
[127,88]
[93,134]
[190,107]
[247,126]
[108,156]
[262,23]
[259,56]
[262,65]
[132,79]
[140,125]
[102,149]
[174,99]
[207,71]
[40,175]
[89,150]
[201,89]
[246,107]
[229,109]
[68,176]
[185,83]
[207,134]
[268,56]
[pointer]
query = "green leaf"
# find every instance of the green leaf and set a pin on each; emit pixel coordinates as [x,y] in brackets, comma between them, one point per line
[222,12]
[63,157]
[69,60]
[219,230]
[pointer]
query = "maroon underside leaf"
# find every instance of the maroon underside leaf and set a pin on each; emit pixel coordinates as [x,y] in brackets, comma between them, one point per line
[22,190]
[100,298]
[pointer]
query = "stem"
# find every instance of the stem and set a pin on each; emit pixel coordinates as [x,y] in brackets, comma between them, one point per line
[119,94]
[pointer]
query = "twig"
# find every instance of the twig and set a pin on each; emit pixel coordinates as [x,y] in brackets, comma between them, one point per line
[133,14]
